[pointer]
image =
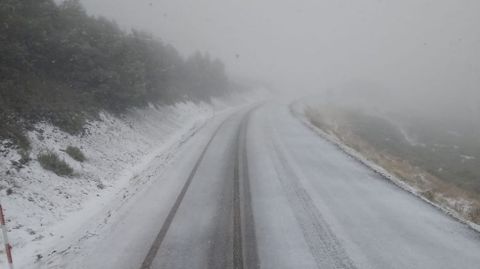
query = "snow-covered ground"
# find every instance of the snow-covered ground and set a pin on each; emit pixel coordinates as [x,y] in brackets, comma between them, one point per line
[308,204]
[298,109]
[123,155]
[317,207]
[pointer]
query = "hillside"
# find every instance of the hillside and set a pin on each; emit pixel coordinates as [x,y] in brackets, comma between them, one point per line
[62,66]
[85,108]
[438,159]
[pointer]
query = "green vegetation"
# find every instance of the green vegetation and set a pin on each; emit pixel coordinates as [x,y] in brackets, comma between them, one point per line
[15,134]
[50,161]
[75,153]
[60,65]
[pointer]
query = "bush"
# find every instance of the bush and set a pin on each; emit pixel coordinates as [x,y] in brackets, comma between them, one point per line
[14,133]
[75,153]
[474,215]
[429,195]
[50,161]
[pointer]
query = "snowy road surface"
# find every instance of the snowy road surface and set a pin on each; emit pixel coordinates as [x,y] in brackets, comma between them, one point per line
[257,189]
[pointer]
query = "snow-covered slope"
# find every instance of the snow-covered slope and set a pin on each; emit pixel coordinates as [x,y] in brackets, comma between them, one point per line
[42,208]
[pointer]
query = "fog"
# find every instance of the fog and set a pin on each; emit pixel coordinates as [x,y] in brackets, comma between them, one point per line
[421,54]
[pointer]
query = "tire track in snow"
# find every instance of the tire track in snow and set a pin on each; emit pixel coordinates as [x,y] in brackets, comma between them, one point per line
[245,253]
[324,246]
[147,263]
[237,221]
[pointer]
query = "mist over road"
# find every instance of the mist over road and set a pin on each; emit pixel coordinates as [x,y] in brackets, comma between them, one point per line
[162,134]
[258,189]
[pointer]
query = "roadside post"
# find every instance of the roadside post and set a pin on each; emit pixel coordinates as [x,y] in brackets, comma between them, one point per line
[8,247]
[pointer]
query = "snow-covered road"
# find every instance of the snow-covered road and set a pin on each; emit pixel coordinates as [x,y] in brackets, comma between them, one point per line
[258,189]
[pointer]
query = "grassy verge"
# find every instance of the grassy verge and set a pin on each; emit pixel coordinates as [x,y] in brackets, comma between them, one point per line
[444,169]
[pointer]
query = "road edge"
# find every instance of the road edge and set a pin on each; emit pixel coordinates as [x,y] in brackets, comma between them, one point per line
[375,168]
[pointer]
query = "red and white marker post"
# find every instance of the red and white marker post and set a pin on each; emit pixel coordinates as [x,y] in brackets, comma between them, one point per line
[8,248]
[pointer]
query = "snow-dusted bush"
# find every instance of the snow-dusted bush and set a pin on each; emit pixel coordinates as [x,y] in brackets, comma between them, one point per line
[50,161]
[75,153]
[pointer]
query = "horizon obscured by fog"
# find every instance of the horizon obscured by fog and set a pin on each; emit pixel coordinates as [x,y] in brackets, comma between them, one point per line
[421,56]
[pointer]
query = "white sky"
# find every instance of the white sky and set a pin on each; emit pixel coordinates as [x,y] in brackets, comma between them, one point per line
[410,46]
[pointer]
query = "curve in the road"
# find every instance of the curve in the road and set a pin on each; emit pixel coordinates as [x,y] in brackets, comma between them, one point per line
[243,241]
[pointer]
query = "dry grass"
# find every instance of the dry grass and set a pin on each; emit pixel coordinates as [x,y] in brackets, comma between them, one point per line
[438,191]
[474,214]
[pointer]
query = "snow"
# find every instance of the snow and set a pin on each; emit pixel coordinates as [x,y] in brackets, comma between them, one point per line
[297,109]
[339,212]
[116,150]
[313,205]
[123,156]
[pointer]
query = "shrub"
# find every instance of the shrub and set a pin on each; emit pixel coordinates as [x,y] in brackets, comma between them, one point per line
[75,153]
[22,141]
[50,161]
[429,195]
[474,215]
[14,133]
